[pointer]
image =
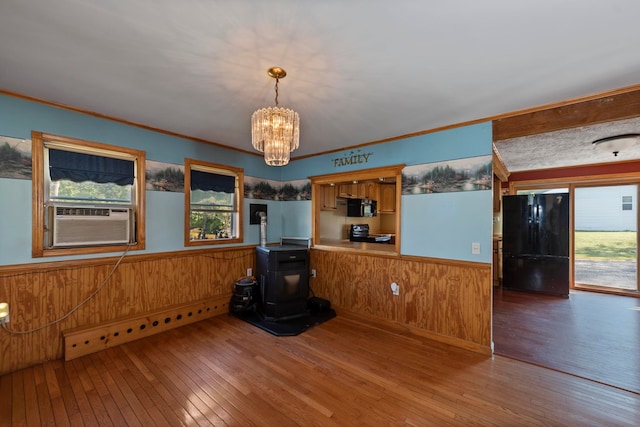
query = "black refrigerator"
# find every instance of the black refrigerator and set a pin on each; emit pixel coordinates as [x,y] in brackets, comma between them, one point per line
[535,243]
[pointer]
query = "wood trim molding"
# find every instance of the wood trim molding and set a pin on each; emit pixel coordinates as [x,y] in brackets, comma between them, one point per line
[358,175]
[608,171]
[192,164]
[16,269]
[39,141]
[499,168]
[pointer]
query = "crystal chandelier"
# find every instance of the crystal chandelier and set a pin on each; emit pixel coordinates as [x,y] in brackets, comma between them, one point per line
[275,130]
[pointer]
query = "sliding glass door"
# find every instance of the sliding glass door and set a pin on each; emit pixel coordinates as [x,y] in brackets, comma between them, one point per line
[606,237]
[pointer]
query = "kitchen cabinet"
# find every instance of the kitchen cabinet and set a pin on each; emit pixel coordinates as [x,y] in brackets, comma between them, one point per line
[328,194]
[369,190]
[497,261]
[359,190]
[497,193]
[387,202]
[348,190]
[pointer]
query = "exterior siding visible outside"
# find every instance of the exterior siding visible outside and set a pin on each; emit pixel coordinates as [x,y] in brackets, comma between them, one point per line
[611,208]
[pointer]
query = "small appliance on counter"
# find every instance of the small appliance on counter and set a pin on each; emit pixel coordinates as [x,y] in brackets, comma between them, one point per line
[360,233]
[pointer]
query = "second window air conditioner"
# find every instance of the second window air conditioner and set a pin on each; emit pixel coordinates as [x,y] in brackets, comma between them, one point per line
[89,226]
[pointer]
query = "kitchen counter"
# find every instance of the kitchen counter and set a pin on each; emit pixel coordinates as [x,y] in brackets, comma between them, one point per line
[387,248]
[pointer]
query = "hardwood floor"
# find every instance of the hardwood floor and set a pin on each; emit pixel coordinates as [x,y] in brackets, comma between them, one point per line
[345,372]
[592,335]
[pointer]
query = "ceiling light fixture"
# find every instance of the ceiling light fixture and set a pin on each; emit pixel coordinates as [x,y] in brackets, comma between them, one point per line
[617,143]
[275,130]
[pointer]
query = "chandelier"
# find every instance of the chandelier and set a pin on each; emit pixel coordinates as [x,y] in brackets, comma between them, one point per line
[275,130]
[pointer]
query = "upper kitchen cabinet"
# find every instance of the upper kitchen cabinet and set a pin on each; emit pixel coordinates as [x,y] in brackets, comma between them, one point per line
[328,195]
[359,190]
[370,190]
[348,189]
[387,202]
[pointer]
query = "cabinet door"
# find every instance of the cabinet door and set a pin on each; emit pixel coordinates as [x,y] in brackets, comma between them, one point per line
[497,194]
[371,191]
[362,190]
[387,198]
[328,194]
[348,190]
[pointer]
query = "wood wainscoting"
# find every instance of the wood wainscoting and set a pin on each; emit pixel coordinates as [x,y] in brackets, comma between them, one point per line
[41,293]
[445,300]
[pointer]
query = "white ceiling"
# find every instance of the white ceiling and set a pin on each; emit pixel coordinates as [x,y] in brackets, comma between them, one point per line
[358,71]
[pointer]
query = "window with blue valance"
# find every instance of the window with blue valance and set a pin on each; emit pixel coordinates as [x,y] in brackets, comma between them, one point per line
[80,167]
[207,181]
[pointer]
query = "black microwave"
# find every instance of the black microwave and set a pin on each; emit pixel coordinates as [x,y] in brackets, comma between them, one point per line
[361,207]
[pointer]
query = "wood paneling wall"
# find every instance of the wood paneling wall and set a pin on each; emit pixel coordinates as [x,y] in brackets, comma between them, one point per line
[449,301]
[40,293]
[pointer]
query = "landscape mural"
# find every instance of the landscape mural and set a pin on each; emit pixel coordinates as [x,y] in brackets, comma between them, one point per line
[470,174]
[170,177]
[164,177]
[15,158]
[258,188]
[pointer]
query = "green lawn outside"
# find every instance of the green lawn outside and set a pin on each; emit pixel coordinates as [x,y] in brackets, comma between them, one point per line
[611,245]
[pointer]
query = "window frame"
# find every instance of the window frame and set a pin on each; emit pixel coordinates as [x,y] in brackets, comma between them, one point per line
[199,165]
[39,141]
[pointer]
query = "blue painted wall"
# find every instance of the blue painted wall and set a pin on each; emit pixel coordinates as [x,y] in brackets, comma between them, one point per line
[165,210]
[434,225]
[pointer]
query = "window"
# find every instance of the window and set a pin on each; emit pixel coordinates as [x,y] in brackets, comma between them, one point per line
[88,196]
[213,203]
[627,204]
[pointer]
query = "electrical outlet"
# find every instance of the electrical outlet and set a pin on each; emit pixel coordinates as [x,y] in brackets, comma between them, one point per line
[313,272]
[395,289]
[249,271]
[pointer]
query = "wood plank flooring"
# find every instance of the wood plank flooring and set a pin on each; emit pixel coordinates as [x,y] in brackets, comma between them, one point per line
[345,372]
[593,335]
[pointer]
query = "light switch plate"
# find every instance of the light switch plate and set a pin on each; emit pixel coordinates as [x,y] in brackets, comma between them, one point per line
[475,248]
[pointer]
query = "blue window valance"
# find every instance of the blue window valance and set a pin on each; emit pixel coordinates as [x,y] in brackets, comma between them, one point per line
[81,167]
[207,181]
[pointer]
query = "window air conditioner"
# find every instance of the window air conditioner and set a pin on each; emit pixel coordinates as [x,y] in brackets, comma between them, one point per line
[89,225]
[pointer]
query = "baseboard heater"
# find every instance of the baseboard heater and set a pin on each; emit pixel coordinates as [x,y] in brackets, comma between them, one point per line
[90,339]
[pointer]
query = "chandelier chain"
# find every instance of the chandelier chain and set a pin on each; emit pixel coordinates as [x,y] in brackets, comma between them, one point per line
[277,91]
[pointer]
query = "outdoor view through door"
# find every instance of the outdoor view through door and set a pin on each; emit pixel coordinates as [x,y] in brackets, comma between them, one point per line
[606,239]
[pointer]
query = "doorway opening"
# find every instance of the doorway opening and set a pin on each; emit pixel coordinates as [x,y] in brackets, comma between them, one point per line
[606,238]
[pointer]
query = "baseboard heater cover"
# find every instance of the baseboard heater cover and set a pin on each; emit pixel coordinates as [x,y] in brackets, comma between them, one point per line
[90,339]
